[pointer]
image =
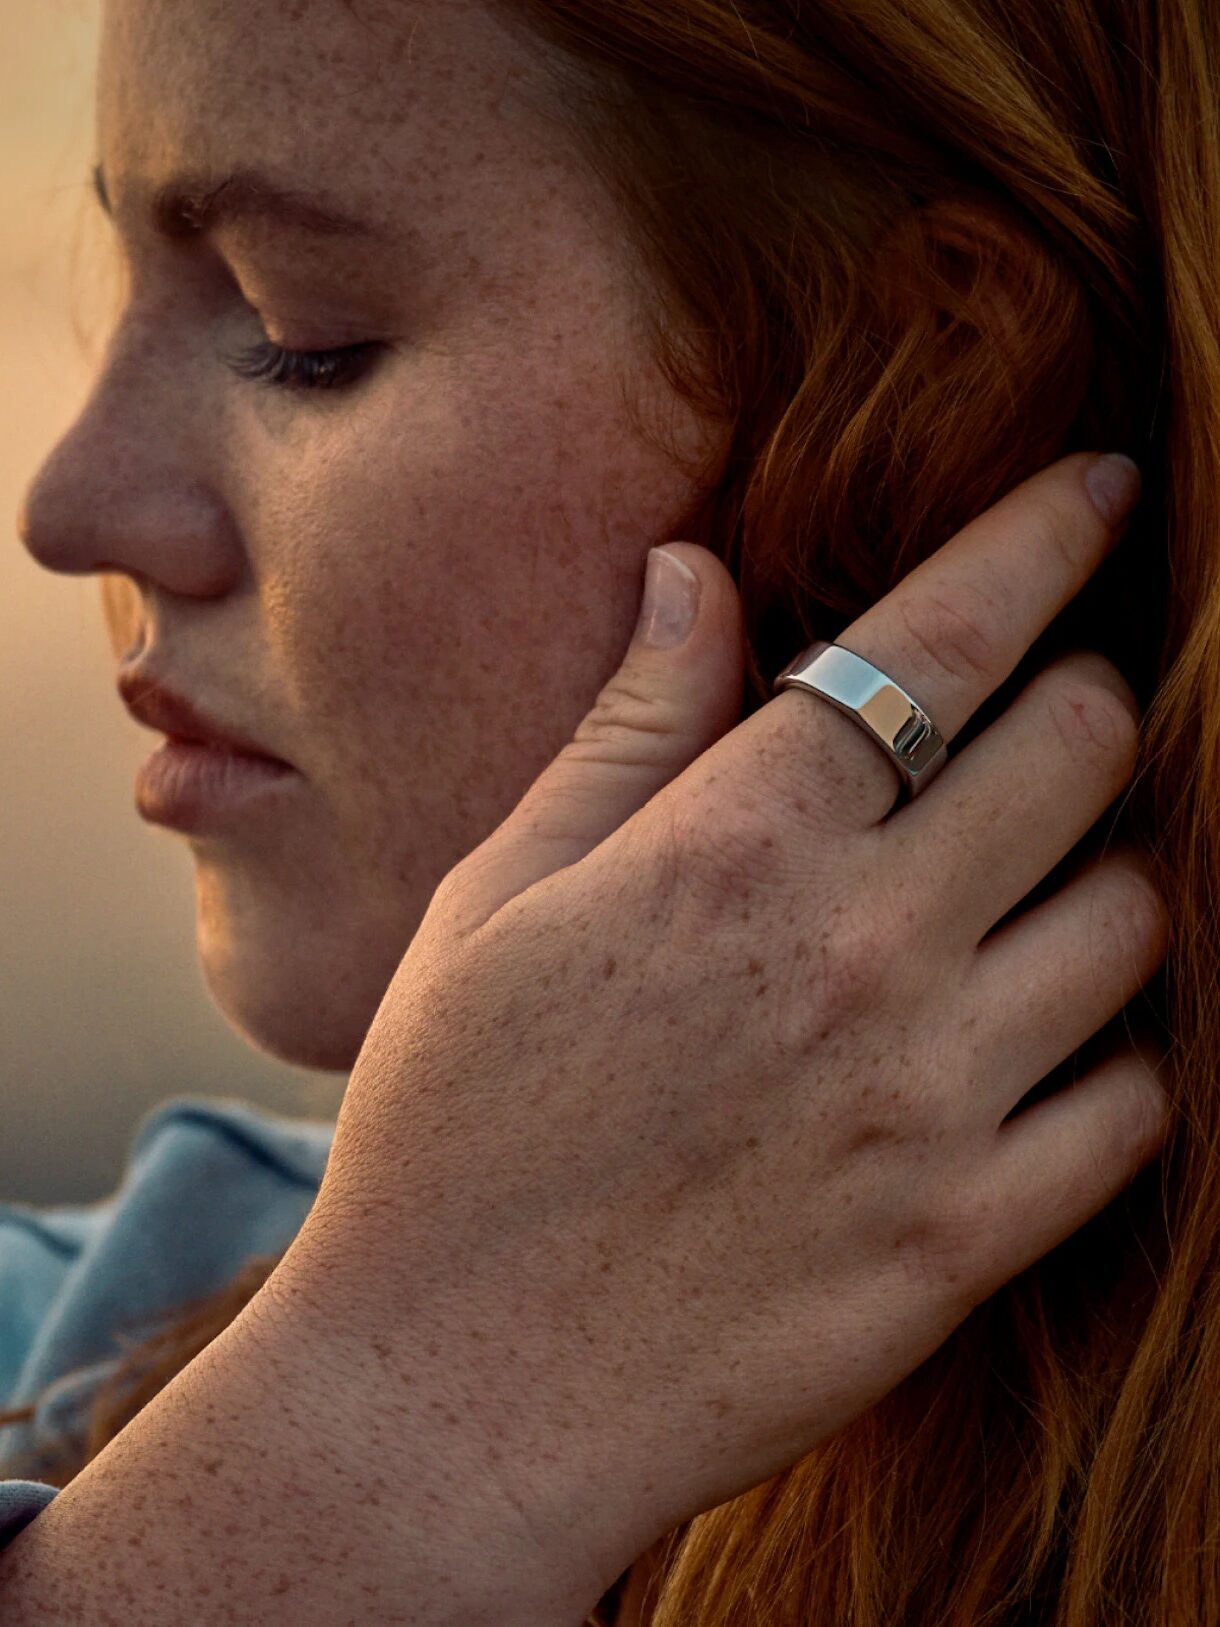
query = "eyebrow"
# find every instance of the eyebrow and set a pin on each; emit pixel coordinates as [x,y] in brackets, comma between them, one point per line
[195,204]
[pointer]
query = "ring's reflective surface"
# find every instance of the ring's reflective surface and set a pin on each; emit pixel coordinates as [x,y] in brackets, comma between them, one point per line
[863,692]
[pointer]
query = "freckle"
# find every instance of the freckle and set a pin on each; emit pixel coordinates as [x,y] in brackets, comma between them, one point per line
[610,968]
[751,1141]
[761,990]
[755,967]
[825,1034]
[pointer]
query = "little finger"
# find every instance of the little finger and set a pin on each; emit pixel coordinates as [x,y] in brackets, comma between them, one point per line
[1060,1162]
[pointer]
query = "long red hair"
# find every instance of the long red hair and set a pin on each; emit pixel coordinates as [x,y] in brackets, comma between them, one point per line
[911,251]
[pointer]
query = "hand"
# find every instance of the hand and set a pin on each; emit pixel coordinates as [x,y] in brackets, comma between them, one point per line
[679,1138]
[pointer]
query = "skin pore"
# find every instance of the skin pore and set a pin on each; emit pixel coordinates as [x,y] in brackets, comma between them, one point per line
[411,585]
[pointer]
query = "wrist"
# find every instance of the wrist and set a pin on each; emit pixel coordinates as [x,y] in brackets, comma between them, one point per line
[481,1511]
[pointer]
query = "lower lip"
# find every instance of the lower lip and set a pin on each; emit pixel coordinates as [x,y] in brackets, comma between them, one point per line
[199,788]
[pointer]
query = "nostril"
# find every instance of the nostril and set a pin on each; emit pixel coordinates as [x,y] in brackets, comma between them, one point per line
[135,649]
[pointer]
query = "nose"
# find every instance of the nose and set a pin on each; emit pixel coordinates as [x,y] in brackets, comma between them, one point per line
[129,487]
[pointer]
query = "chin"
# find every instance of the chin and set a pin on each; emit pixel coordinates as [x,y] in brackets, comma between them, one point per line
[300,1015]
[300,977]
[291,1029]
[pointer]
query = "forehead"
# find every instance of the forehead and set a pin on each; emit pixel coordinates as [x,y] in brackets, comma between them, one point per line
[376,97]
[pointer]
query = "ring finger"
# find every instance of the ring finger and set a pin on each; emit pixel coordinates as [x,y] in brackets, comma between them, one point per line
[1021,796]
[1061,971]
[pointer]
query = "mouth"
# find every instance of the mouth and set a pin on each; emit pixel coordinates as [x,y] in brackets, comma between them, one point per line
[202,789]
[185,723]
[223,748]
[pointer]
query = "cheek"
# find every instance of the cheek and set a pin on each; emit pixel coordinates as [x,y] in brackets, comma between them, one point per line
[491,525]
[446,582]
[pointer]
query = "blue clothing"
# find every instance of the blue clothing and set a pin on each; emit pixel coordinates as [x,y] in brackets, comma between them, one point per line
[207,1184]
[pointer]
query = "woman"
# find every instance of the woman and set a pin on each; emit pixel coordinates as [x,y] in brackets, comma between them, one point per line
[808,289]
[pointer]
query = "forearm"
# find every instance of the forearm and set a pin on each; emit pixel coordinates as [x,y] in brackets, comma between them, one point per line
[268,1484]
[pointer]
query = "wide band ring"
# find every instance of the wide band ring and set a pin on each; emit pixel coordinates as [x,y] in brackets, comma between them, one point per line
[896,721]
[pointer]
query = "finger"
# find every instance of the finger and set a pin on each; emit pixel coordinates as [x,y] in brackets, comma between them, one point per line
[678,689]
[1025,792]
[1060,1162]
[954,629]
[1061,971]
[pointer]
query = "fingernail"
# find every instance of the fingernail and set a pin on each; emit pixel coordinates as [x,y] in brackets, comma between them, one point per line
[671,601]
[1114,485]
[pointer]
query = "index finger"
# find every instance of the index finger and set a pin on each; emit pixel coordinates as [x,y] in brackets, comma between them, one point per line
[953,630]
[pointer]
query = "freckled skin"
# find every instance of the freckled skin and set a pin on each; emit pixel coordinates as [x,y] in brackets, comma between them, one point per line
[413,589]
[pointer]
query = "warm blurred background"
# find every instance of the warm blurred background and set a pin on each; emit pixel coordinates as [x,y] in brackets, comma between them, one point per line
[103,1008]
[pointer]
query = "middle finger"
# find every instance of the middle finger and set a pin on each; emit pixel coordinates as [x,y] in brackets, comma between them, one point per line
[953,630]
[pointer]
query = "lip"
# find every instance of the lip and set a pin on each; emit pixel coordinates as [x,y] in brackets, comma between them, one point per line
[157,707]
[208,790]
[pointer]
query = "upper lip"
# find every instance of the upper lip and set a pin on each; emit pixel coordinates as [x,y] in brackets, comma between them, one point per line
[151,703]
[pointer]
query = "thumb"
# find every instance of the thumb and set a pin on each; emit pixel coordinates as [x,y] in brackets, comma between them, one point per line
[679,689]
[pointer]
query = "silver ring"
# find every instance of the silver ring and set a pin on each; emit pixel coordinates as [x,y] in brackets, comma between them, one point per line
[861,691]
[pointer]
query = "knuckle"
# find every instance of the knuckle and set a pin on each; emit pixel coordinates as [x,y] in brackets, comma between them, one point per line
[450,890]
[1129,1126]
[625,725]
[951,633]
[1094,723]
[725,851]
[952,1233]
[1145,910]
[854,965]
[1147,1112]
[826,988]
[901,1117]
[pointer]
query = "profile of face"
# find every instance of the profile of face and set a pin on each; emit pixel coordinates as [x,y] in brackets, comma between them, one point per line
[406,569]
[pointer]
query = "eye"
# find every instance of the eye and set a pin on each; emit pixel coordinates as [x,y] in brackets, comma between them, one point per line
[304,369]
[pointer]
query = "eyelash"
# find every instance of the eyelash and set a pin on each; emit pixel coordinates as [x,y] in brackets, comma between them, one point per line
[304,369]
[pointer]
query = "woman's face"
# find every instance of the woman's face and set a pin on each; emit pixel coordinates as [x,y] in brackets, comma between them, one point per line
[410,585]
